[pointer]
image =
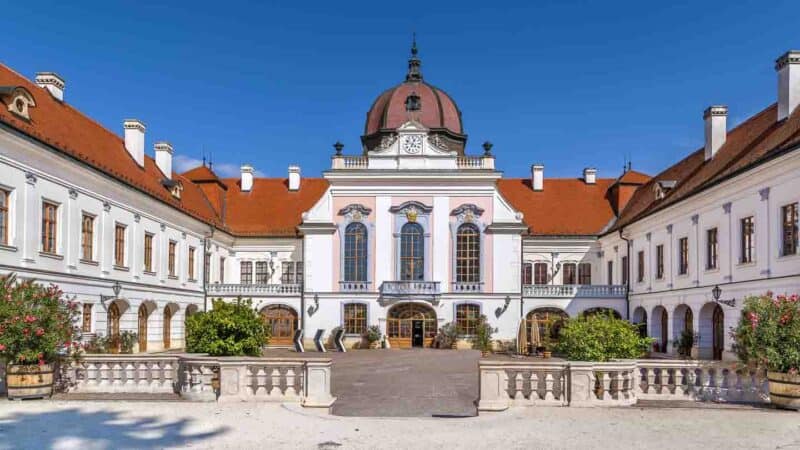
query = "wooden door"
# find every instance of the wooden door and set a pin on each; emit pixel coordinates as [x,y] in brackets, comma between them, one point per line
[664,329]
[113,326]
[282,321]
[718,332]
[142,328]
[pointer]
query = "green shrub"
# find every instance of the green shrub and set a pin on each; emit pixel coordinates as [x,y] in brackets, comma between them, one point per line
[447,335]
[372,334]
[768,333]
[229,329]
[483,336]
[600,337]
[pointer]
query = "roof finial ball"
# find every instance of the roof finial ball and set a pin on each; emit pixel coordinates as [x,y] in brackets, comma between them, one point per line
[487,148]
[338,146]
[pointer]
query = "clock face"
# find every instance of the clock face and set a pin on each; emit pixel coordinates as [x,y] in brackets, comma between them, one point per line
[412,144]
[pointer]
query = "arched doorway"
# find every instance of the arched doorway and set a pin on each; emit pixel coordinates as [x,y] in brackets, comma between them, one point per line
[660,329]
[167,327]
[411,325]
[664,331]
[543,318]
[282,321]
[142,315]
[683,335]
[718,333]
[640,320]
[113,326]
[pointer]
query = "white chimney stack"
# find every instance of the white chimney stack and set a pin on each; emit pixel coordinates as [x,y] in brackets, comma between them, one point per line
[716,123]
[537,177]
[52,82]
[294,178]
[163,151]
[590,175]
[788,68]
[247,178]
[134,139]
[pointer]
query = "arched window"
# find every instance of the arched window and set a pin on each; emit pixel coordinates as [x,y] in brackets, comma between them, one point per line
[468,316]
[113,326]
[468,254]
[167,328]
[355,252]
[412,247]
[142,317]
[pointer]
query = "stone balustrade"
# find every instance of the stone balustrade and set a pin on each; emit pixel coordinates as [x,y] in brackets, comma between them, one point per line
[410,288]
[467,286]
[253,289]
[574,290]
[521,383]
[355,286]
[206,378]
[700,380]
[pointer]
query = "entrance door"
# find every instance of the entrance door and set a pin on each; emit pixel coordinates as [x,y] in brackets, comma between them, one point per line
[113,326]
[417,330]
[718,332]
[282,321]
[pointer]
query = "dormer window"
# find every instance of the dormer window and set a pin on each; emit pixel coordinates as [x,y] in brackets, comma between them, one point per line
[413,102]
[18,100]
[662,187]
[177,190]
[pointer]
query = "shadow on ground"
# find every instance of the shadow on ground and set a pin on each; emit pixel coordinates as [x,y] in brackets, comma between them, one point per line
[98,429]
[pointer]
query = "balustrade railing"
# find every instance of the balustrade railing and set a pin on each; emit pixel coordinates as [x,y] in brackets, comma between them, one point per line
[355,286]
[574,290]
[700,380]
[464,286]
[250,289]
[410,288]
[125,373]
[470,162]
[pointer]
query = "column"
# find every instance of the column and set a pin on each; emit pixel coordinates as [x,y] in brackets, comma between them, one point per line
[763,235]
[384,256]
[440,248]
[106,239]
[135,248]
[30,220]
[73,233]
[726,254]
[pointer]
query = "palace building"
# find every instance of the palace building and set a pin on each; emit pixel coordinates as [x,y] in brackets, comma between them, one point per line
[417,230]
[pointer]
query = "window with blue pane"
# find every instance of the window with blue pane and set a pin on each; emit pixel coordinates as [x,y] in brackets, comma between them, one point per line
[355,252]
[412,247]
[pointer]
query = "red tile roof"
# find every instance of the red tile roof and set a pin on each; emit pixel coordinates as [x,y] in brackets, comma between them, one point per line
[68,131]
[566,206]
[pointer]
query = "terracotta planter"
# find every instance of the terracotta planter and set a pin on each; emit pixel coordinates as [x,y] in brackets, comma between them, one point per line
[484,353]
[547,355]
[784,390]
[29,381]
[454,346]
[374,345]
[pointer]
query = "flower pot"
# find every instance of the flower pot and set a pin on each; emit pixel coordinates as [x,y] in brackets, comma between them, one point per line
[29,381]
[484,353]
[784,390]
[374,345]
[547,354]
[454,345]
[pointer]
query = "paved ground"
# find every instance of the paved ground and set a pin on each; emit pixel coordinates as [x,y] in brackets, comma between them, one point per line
[150,425]
[405,383]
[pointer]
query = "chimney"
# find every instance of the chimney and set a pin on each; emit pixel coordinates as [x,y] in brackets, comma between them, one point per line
[163,151]
[716,119]
[134,139]
[247,178]
[52,82]
[537,177]
[294,178]
[788,68]
[590,175]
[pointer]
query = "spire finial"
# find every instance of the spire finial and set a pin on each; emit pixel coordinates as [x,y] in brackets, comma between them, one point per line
[414,62]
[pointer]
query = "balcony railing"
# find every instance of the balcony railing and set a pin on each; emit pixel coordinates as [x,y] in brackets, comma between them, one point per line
[410,288]
[463,286]
[475,162]
[254,289]
[355,286]
[574,290]
[350,162]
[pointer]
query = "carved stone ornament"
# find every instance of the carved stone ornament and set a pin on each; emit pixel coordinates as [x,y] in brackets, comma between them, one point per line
[106,206]
[137,218]
[73,194]
[387,141]
[30,178]
[411,213]
[438,142]
[467,213]
[355,212]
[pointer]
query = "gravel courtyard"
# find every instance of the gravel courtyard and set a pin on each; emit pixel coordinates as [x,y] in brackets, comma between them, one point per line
[101,425]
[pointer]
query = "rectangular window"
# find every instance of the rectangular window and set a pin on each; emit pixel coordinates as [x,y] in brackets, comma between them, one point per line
[683,255]
[171,258]
[610,272]
[747,251]
[540,273]
[261,272]
[789,215]
[584,273]
[660,261]
[640,266]
[221,269]
[291,272]
[298,272]
[246,272]
[569,274]
[49,227]
[4,200]
[624,270]
[355,318]
[206,267]
[712,247]
[148,252]
[467,319]
[190,265]
[527,273]
[119,245]
[86,325]
[87,237]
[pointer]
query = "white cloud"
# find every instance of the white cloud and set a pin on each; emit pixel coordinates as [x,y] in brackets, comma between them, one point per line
[183,163]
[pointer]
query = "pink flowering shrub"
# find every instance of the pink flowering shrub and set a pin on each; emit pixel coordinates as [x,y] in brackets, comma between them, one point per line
[36,322]
[768,333]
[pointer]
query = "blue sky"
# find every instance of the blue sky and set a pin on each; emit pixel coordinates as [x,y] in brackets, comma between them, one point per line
[567,84]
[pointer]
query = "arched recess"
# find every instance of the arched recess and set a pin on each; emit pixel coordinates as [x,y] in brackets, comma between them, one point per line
[190,309]
[683,316]
[640,320]
[142,323]
[601,310]
[411,325]
[543,318]
[113,317]
[282,320]
[712,331]
[660,326]
[166,326]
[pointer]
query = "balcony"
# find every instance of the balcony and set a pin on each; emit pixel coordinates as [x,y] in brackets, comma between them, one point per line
[574,290]
[355,286]
[253,289]
[466,287]
[392,291]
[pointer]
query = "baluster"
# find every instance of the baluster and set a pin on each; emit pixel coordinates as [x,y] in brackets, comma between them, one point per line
[92,374]
[291,391]
[261,382]
[276,382]
[518,386]
[197,378]
[646,380]
[105,375]
[168,376]
[155,375]
[661,379]
[129,375]
[548,385]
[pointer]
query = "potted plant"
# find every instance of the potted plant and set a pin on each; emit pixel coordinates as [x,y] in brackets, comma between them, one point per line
[373,336]
[483,336]
[447,337]
[685,343]
[767,337]
[37,330]
[546,344]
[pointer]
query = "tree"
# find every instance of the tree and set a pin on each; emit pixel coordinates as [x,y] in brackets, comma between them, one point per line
[229,329]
